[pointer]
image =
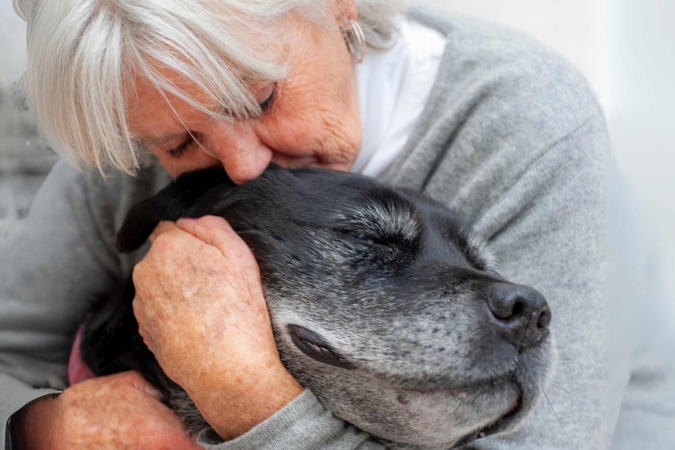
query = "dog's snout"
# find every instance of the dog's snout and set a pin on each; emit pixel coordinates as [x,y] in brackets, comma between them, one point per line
[520,314]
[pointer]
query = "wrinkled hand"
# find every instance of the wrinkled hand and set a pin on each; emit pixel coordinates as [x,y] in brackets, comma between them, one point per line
[121,411]
[201,311]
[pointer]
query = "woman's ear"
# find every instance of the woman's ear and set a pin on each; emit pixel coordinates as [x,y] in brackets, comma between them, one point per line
[345,11]
[171,203]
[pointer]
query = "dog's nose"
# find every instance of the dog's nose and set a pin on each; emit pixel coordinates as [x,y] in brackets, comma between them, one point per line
[520,314]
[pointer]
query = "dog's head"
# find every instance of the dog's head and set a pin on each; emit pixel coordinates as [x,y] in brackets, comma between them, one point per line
[381,304]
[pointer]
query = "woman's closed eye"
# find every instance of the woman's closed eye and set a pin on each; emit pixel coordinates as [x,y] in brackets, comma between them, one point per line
[179,151]
[265,106]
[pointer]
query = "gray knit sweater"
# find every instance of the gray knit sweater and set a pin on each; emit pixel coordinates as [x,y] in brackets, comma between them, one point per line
[511,138]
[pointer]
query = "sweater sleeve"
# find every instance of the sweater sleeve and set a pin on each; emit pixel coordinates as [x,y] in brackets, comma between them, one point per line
[563,222]
[303,424]
[543,211]
[514,141]
[50,266]
[56,261]
[548,229]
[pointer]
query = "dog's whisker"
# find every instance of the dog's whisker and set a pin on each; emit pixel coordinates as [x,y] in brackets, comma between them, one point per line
[536,416]
[569,438]
[561,354]
[557,386]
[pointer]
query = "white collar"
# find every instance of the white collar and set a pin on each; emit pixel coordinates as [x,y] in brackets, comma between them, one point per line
[393,87]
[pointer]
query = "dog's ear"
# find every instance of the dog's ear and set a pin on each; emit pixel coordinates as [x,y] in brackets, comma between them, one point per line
[171,203]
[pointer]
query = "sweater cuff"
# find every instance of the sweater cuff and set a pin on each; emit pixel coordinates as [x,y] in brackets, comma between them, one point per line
[14,395]
[303,424]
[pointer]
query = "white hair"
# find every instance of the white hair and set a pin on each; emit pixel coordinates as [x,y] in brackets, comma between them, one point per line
[84,56]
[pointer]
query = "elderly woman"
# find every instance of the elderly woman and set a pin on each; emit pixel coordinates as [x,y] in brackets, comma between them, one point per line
[477,117]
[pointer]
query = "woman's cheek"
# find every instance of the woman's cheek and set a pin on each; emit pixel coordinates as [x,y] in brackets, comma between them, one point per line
[285,136]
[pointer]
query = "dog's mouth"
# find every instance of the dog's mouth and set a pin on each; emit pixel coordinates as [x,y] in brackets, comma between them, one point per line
[499,425]
[317,348]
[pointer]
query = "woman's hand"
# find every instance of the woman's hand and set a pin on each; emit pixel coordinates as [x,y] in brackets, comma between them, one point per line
[121,411]
[201,311]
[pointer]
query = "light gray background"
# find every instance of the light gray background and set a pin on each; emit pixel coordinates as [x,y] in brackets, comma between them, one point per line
[624,47]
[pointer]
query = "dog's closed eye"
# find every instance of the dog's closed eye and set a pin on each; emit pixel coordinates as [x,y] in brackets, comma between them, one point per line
[361,238]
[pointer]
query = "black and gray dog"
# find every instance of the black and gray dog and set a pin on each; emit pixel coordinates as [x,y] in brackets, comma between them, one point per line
[381,304]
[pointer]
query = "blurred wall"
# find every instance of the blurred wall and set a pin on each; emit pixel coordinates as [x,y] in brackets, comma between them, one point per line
[24,158]
[641,51]
[12,45]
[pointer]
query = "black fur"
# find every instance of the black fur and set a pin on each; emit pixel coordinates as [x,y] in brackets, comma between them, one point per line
[389,274]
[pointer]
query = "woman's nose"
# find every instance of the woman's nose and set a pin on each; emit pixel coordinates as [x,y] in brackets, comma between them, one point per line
[240,151]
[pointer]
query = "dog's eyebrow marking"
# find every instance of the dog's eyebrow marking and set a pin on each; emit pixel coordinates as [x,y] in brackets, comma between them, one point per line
[479,253]
[387,217]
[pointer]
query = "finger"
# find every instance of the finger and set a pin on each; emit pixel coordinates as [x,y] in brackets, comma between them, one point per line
[212,230]
[139,313]
[137,381]
[147,340]
[161,228]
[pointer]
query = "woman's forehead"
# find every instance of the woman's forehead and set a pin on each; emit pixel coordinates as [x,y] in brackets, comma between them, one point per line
[150,111]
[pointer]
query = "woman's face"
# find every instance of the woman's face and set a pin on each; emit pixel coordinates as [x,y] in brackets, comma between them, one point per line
[310,118]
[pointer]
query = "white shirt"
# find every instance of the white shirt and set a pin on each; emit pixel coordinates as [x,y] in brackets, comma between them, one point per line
[393,87]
